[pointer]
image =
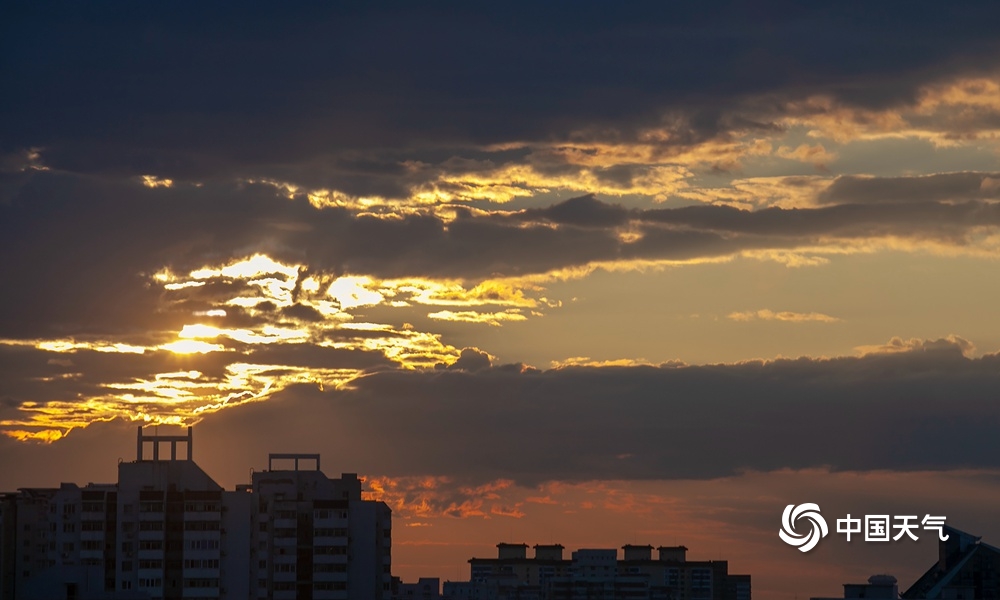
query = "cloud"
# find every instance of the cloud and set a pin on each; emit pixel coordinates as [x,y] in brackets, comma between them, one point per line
[926,406]
[202,210]
[471,316]
[770,315]
[816,155]
[951,187]
[584,211]
[327,118]
[586,361]
[427,497]
[471,359]
[896,345]
[232,269]
[946,111]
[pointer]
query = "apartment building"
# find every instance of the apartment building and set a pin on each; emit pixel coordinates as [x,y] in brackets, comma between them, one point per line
[166,530]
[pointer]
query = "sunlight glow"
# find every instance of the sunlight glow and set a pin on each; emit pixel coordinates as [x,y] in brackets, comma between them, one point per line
[352,292]
[471,316]
[192,347]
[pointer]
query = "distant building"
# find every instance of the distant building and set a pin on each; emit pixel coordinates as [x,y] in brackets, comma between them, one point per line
[966,569]
[878,586]
[167,531]
[597,574]
[426,588]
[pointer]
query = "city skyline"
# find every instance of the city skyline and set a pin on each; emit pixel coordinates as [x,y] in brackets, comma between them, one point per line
[559,273]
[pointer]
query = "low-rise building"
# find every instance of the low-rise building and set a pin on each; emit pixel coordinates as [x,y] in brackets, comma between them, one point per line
[597,573]
[426,588]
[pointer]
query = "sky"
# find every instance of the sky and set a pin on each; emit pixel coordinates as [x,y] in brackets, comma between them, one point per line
[586,273]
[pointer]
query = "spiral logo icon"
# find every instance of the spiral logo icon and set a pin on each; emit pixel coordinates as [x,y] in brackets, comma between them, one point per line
[807,512]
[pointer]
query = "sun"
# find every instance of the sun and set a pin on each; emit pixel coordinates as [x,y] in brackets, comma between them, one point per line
[192,347]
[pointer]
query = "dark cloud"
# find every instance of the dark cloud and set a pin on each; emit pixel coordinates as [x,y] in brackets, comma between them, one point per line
[90,455]
[924,406]
[471,359]
[195,92]
[927,188]
[303,313]
[914,219]
[584,211]
[82,250]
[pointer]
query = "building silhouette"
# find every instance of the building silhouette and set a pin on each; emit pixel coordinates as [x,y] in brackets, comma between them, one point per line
[597,574]
[878,586]
[426,588]
[166,531]
[966,569]
[315,537]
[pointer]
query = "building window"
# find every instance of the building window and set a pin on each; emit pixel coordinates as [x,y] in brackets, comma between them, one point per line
[201,563]
[329,568]
[201,526]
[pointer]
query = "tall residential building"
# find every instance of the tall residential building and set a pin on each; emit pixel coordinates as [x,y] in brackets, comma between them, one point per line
[167,531]
[315,537]
[597,574]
